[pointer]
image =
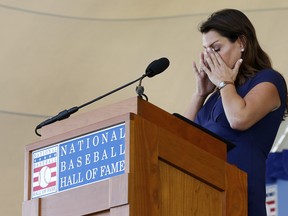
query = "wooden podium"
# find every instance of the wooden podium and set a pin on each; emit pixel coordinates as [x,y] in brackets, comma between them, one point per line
[171,168]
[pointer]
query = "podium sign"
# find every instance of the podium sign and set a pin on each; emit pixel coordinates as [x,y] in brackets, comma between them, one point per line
[78,161]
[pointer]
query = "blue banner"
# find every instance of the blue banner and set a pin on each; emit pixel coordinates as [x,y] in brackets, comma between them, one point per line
[79,161]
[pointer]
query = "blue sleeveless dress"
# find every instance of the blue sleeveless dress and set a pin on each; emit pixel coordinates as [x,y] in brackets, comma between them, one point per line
[252,145]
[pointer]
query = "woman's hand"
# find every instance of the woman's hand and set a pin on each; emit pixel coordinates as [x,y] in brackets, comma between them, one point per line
[217,70]
[203,84]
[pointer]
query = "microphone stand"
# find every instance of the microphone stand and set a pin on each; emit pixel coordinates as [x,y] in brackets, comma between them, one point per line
[154,68]
[66,113]
[140,90]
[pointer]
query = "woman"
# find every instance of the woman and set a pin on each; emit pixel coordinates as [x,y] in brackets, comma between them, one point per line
[247,98]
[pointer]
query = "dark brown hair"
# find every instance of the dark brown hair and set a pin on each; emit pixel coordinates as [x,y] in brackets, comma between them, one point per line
[234,24]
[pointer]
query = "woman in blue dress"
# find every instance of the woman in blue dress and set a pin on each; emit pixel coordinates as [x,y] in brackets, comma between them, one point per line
[239,96]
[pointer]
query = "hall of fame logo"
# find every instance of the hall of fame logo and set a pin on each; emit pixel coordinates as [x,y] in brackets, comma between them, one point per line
[44,171]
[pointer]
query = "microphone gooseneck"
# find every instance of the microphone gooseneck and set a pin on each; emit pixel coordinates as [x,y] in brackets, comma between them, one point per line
[154,68]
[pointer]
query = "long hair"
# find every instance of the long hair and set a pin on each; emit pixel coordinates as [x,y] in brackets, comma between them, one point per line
[233,24]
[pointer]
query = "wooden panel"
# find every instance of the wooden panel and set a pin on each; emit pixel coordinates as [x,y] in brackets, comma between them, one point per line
[206,172]
[192,159]
[182,129]
[79,201]
[118,190]
[144,174]
[212,181]
[120,211]
[236,191]
[182,194]
[96,197]
[116,211]
[31,207]
[27,174]
[181,153]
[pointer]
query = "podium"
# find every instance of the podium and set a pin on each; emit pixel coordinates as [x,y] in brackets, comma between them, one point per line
[130,158]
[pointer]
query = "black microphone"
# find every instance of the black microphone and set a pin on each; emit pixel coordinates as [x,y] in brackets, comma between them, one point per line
[154,68]
[157,66]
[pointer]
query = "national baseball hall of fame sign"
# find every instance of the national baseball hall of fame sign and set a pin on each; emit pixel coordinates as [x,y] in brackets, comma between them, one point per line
[79,161]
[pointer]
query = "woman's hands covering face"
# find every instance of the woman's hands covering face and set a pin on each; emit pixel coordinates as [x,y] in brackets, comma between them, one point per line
[216,69]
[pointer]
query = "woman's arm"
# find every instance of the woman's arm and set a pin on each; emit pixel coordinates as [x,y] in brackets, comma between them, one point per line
[204,87]
[242,113]
[195,105]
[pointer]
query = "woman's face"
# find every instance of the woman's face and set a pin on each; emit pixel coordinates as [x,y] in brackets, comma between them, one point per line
[229,52]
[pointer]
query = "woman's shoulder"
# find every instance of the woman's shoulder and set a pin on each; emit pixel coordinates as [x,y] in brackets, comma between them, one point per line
[267,71]
[265,75]
[268,75]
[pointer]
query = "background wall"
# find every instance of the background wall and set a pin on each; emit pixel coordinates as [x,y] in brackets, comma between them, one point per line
[58,54]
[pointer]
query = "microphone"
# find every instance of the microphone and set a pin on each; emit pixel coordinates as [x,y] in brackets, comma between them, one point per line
[157,66]
[154,68]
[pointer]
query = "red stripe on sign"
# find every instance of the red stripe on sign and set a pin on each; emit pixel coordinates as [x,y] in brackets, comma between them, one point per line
[51,165]
[270,202]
